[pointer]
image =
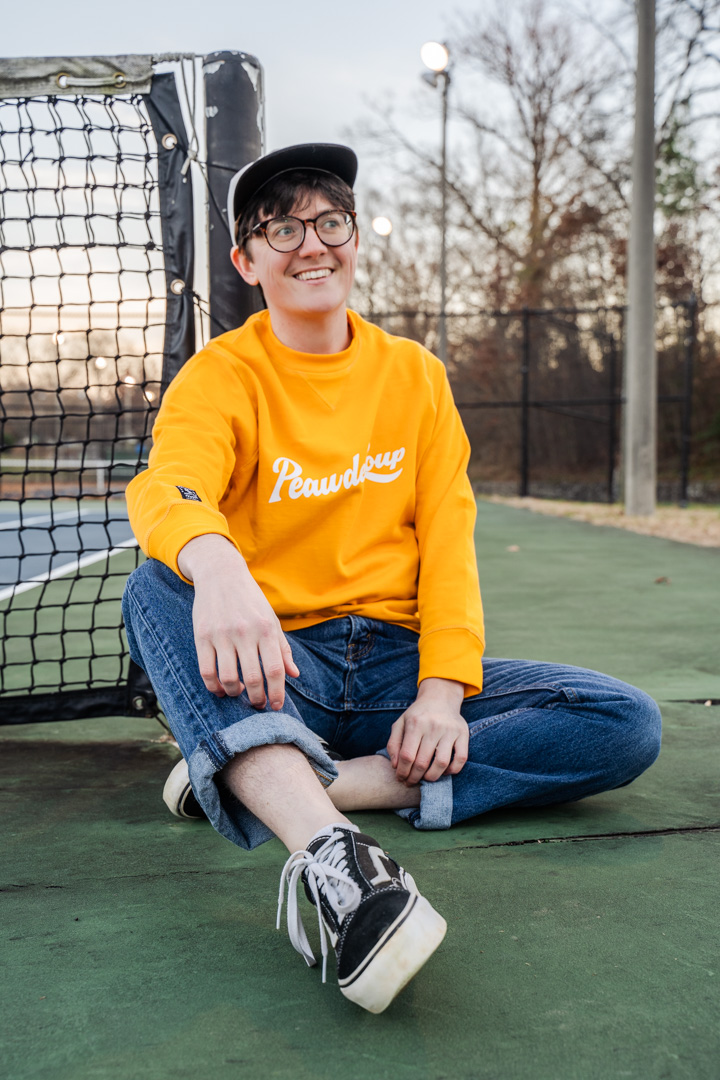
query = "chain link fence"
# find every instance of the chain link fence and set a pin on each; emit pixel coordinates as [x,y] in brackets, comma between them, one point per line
[540,392]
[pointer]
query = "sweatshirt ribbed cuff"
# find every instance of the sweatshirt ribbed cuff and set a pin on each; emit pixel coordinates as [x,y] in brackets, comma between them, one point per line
[184,523]
[455,654]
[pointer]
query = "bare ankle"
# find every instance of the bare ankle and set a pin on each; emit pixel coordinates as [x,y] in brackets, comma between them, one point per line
[277,783]
[370,783]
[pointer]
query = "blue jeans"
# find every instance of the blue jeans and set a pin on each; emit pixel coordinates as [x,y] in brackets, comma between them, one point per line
[539,733]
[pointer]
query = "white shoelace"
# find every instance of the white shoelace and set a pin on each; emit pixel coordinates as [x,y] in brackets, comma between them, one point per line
[325,871]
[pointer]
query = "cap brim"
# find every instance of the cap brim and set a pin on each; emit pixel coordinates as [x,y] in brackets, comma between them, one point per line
[331,158]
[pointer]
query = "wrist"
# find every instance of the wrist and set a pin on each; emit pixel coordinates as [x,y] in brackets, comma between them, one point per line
[447,691]
[204,555]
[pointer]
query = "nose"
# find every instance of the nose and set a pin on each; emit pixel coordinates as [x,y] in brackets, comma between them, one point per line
[312,244]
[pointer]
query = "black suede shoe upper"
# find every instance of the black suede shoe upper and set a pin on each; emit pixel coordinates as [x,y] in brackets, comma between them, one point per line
[385,899]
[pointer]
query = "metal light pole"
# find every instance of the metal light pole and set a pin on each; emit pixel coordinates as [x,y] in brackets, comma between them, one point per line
[437,57]
[641,365]
[382,227]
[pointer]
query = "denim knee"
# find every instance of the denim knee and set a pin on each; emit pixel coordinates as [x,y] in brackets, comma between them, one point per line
[633,741]
[161,587]
[155,577]
[651,724]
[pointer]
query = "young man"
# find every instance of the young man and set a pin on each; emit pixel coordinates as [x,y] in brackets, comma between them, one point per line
[311,593]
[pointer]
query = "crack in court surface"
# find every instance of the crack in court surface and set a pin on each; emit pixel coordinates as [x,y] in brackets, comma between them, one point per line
[223,872]
[590,836]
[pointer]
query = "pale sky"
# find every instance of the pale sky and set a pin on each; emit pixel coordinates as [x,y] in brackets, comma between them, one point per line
[323,60]
[315,77]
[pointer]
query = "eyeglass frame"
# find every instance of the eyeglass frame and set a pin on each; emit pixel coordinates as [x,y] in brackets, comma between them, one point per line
[262,227]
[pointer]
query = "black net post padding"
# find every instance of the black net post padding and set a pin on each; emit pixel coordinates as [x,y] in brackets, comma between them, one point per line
[79,705]
[176,210]
[234,110]
[140,699]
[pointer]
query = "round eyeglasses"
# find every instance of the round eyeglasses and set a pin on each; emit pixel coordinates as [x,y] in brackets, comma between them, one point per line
[333,228]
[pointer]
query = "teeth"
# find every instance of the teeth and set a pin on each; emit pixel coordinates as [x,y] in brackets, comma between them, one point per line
[310,275]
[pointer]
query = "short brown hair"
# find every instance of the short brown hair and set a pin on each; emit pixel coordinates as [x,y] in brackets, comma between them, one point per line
[282,194]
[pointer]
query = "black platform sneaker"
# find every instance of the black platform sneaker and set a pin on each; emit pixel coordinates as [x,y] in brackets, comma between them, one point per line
[380,926]
[178,794]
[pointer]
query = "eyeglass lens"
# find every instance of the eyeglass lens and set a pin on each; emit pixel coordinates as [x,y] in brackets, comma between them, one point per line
[334,228]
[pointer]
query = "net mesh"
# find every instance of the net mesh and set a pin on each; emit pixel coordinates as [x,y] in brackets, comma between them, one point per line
[82,311]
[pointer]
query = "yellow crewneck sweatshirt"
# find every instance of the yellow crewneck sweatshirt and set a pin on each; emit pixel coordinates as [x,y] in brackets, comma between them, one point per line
[340,478]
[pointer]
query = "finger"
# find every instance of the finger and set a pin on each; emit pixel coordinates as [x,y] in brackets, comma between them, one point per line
[395,741]
[441,760]
[460,755]
[274,668]
[253,677]
[290,665]
[422,762]
[227,667]
[207,665]
[408,753]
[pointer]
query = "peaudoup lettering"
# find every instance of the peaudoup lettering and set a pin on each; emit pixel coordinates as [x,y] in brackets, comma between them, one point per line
[291,473]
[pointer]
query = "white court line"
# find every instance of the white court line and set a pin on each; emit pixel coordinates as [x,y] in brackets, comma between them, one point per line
[20,523]
[66,568]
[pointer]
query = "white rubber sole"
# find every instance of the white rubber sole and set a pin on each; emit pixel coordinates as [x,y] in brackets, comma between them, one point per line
[399,959]
[176,789]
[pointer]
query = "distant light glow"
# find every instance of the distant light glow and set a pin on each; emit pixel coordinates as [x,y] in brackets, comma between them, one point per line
[435,56]
[382,226]
[129,380]
[100,362]
[149,395]
[58,338]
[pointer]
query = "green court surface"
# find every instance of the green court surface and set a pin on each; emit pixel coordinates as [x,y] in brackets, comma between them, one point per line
[69,630]
[66,630]
[583,940]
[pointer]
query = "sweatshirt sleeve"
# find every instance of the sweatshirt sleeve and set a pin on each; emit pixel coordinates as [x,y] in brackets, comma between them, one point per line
[194,455]
[451,618]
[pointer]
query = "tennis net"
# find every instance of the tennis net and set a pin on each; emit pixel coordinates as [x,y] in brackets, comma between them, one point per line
[98,256]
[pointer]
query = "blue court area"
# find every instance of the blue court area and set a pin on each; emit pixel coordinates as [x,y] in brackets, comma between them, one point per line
[41,538]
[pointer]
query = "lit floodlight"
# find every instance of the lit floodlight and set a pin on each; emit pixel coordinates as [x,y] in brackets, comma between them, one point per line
[129,380]
[58,338]
[149,395]
[382,226]
[100,362]
[435,56]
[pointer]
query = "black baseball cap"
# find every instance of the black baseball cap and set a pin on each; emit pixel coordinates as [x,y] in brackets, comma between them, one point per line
[324,157]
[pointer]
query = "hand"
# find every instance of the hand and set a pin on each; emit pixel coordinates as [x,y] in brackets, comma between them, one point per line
[431,738]
[234,624]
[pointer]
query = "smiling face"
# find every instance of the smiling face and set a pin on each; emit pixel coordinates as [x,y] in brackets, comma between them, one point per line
[312,281]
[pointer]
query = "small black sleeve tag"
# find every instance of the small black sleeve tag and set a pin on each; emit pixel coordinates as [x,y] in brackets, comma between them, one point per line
[188,493]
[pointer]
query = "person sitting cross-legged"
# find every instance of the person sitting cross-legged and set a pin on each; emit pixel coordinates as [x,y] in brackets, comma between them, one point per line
[309,613]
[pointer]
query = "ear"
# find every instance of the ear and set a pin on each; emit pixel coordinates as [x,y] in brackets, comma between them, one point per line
[244,265]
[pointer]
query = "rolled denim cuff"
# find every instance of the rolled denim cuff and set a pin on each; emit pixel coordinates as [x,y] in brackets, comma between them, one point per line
[226,813]
[436,803]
